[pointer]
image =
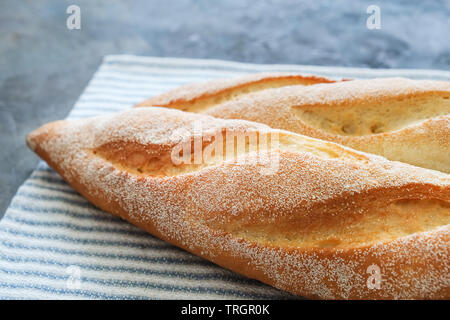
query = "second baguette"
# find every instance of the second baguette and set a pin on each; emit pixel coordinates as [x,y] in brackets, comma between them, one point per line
[400,119]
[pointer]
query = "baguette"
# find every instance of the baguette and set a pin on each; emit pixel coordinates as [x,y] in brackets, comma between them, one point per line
[322,221]
[400,119]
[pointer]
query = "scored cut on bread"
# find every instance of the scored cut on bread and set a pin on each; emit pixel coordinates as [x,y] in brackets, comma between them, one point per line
[400,119]
[304,215]
[199,96]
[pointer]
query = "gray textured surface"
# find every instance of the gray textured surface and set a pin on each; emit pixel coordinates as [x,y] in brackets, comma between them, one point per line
[44,66]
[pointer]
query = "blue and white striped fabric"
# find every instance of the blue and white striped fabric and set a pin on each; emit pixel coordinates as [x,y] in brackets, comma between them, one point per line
[55,245]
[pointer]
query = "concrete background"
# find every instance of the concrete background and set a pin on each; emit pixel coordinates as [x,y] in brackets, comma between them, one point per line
[44,66]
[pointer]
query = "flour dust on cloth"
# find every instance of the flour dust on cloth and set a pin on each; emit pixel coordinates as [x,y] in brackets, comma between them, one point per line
[55,245]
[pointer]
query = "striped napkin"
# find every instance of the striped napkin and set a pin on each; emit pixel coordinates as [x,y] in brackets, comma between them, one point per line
[56,245]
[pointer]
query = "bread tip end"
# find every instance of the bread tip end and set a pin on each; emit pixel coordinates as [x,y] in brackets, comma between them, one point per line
[30,140]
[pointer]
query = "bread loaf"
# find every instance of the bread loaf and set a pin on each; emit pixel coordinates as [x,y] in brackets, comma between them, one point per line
[307,216]
[400,119]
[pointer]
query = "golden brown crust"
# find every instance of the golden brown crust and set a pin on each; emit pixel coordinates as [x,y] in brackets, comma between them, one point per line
[206,94]
[400,119]
[311,227]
